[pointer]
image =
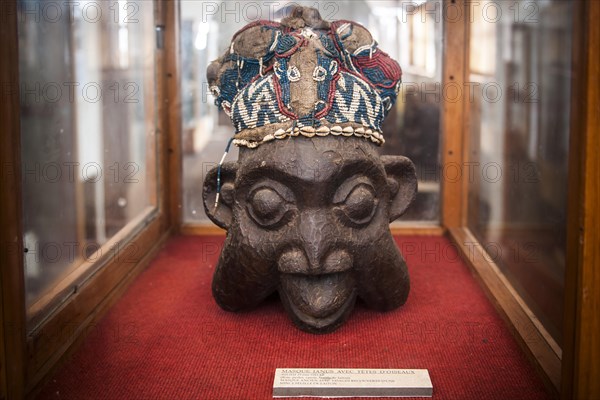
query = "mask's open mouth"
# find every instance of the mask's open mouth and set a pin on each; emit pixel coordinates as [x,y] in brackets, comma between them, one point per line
[318,303]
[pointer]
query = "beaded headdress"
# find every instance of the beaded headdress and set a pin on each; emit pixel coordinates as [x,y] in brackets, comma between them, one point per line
[304,76]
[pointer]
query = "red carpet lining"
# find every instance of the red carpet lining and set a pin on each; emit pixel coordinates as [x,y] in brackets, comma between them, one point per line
[167,339]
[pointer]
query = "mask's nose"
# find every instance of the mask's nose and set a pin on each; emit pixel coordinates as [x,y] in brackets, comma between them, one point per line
[295,261]
[319,250]
[313,227]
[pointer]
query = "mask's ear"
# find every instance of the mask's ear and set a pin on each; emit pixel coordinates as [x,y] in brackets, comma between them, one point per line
[222,214]
[402,181]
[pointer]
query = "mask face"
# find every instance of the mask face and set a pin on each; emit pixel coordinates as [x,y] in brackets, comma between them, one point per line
[309,218]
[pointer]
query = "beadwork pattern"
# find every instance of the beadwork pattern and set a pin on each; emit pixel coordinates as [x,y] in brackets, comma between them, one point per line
[354,84]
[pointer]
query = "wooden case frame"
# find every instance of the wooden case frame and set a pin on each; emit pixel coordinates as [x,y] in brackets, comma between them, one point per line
[570,372]
[28,358]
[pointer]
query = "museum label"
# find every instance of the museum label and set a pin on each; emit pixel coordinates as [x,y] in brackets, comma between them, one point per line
[334,382]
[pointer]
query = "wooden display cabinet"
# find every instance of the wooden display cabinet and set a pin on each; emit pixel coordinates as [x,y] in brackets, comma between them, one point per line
[28,357]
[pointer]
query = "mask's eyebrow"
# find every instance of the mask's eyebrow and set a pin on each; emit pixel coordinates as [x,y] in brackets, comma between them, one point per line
[329,181]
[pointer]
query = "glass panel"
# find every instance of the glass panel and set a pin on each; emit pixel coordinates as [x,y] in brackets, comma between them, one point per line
[520,62]
[415,124]
[88,134]
[411,32]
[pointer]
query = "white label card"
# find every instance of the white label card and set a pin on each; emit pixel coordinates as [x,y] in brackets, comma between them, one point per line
[345,382]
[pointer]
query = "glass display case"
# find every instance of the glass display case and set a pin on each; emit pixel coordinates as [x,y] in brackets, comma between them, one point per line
[88,142]
[519,146]
[110,131]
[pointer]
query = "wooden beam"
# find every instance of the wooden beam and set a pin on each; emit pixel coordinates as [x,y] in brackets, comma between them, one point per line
[453,131]
[172,78]
[397,230]
[582,303]
[417,230]
[12,324]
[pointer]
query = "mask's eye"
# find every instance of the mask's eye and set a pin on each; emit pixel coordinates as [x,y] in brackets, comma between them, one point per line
[267,207]
[360,204]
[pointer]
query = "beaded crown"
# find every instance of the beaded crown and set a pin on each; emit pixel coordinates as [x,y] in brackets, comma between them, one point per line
[304,76]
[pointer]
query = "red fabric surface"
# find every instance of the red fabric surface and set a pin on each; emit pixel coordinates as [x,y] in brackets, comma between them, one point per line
[167,339]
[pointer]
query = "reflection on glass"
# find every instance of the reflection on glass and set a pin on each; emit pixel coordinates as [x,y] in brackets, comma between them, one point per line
[87,129]
[411,32]
[519,146]
[413,129]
